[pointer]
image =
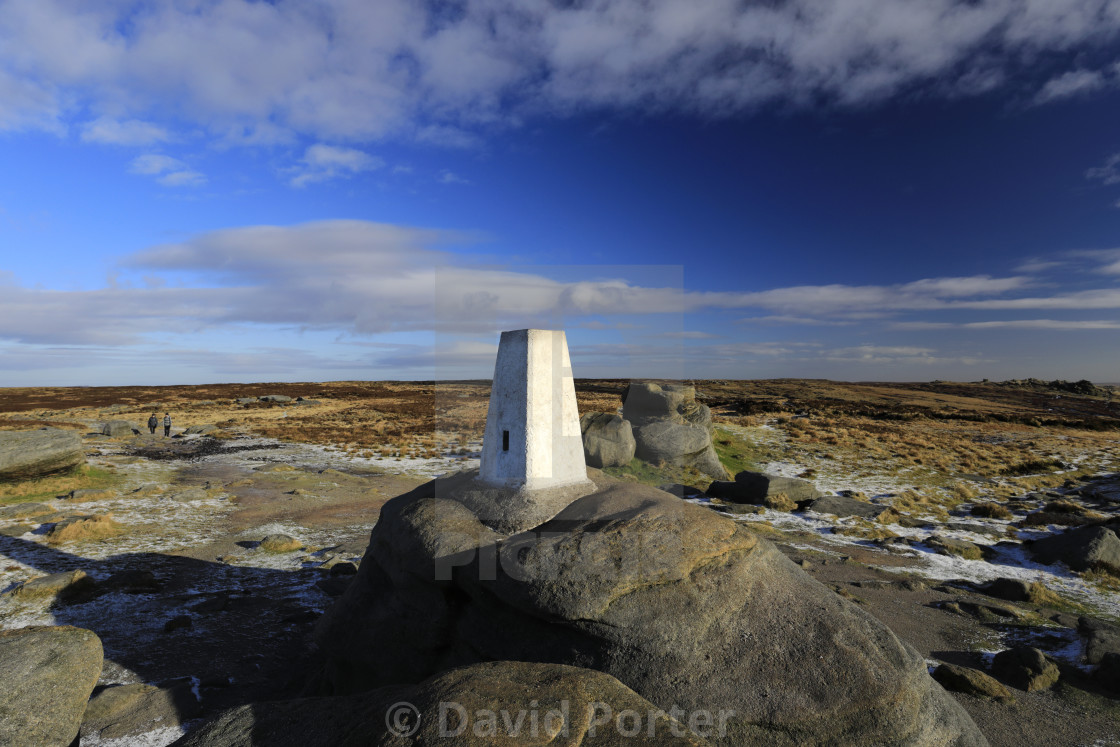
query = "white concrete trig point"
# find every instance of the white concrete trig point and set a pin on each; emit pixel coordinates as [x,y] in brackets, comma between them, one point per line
[532,438]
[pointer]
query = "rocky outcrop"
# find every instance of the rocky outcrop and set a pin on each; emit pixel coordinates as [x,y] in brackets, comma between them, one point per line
[131,710]
[1026,668]
[1081,549]
[48,675]
[117,429]
[971,681]
[671,427]
[496,703]
[680,444]
[683,605]
[839,505]
[756,488]
[28,454]
[608,440]
[64,586]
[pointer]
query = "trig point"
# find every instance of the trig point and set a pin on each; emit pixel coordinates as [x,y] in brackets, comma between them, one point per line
[532,438]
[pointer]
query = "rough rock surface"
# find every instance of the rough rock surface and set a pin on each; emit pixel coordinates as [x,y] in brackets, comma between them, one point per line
[1026,668]
[969,680]
[1101,639]
[1081,549]
[29,454]
[645,402]
[608,440]
[682,605]
[64,586]
[56,669]
[679,444]
[117,429]
[756,487]
[542,704]
[839,505]
[952,546]
[24,510]
[1018,590]
[504,509]
[128,710]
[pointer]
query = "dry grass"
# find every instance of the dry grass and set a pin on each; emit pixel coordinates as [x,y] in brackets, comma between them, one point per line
[941,436]
[84,528]
[45,488]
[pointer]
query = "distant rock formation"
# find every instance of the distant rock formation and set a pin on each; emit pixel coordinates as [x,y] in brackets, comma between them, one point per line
[681,604]
[666,425]
[117,429]
[28,454]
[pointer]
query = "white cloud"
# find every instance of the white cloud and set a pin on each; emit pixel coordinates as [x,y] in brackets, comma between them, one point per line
[1072,83]
[126,132]
[1047,324]
[448,177]
[1109,173]
[689,335]
[170,172]
[355,70]
[322,162]
[360,278]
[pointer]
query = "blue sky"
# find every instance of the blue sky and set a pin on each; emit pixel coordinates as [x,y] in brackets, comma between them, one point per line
[201,191]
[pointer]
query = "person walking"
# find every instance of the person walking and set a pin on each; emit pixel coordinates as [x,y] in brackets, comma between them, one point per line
[153,421]
[167,424]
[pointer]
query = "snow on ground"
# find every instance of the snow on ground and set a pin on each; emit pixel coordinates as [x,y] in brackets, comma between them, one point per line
[1011,561]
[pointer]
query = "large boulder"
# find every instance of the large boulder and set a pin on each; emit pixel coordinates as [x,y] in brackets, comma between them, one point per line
[28,454]
[117,429]
[1081,549]
[48,675]
[840,505]
[132,710]
[686,607]
[608,440]
[496,703]
[678,444]
[756,487]
[1026,668]
[644,402]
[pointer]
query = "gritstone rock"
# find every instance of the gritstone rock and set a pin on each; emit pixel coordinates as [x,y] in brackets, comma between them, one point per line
[541,704]
[971,681]
[1081,549]
[130,710]
[608,440]
[117,429]
[56,669]
[1026,668]
[679,444]
[28,454]
[756,487]
[679,603]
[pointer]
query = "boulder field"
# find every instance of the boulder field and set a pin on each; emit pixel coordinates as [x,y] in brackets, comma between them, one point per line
[687,608]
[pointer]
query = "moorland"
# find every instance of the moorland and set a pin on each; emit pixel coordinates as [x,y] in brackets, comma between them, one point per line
[212,554]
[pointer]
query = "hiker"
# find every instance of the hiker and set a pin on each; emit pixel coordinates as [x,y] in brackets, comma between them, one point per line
[152,423]
[167,424]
